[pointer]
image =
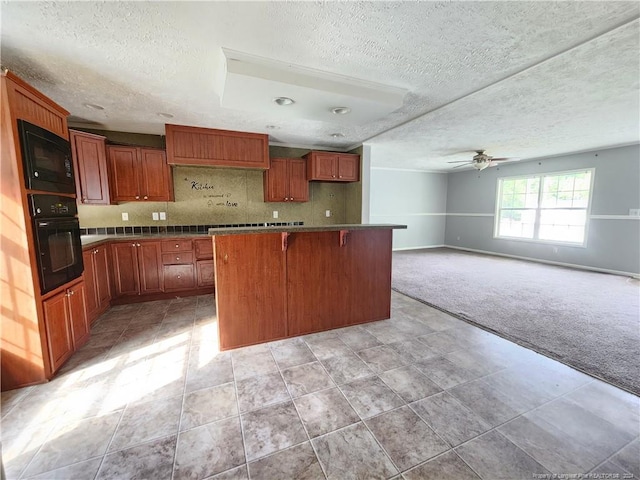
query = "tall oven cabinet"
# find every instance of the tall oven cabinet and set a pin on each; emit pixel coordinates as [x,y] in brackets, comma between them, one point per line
[35,331]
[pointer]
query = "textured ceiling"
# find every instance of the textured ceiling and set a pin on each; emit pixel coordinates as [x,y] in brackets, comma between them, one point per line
[522,79]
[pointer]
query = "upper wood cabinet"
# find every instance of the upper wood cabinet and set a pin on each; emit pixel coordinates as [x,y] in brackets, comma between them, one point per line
[218,148]
[90,165]
[286,181]
[139,174]
[333,167]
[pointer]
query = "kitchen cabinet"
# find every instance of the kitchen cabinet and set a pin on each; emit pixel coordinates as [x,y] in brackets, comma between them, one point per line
[96,279]
[139,174]
[177,265]
[90,165]
[286,181]
[218,148]
[205,272]
[333,167]
[137,268]
[66,325]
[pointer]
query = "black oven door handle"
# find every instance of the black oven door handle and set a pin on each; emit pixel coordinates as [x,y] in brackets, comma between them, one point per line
[59,223]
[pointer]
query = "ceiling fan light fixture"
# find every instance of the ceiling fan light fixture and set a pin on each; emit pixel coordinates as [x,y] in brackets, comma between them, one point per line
[283,101]
[480,165]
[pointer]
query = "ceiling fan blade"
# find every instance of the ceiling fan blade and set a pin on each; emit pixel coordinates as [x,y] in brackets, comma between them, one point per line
[460,161]
[501,159]
[467,163]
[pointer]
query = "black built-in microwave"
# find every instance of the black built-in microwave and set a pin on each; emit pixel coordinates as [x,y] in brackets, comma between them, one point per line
[47,160]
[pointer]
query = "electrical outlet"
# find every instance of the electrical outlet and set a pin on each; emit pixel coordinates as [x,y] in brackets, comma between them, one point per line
[275,214]
[327,213]
[634,212]
[125,217]
[154,215]
[163,215]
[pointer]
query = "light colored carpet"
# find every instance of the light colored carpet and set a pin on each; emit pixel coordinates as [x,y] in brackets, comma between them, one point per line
[588,320]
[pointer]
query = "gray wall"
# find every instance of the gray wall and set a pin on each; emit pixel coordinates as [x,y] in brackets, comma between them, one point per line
[613,238]
[412,198]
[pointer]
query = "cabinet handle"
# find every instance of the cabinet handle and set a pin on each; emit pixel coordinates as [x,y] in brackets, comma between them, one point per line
[177,246]
[137,244]
[145,197]
[178,276]
[133,244]
[291,198]
[177,258]
[137,197]
[340,176]
[333,176]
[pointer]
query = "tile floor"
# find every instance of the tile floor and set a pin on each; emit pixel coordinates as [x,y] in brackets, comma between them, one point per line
[419,396]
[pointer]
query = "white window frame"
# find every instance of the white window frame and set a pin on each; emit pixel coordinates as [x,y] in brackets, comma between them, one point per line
[536,227]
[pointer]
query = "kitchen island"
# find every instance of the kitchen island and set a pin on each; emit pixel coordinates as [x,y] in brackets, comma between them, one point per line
[278,282]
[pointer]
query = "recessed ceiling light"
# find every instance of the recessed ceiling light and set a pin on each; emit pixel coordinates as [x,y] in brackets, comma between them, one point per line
[93,106]
[165,115]
[340,110]
[272,127]
[337,135]
[282,101]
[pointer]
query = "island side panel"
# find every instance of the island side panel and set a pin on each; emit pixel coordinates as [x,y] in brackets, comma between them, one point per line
[317,296]
[250,278]
[332,284]
[368,273]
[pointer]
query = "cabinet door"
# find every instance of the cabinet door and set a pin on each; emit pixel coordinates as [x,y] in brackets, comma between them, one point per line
[102,280]
[123,162]
[90,164]
[125,269]
[150,267]
[250,279]
[276,181]
[349,168]
[203,248]
[155,176]
[89,276]
[298,183]
[58,330]
[322,166]
[205,273]
[78,314]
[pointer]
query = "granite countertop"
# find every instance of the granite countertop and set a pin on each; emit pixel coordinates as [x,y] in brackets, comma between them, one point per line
[88,240]
[302,228]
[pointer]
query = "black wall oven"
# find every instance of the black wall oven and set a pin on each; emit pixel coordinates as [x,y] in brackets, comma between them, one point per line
[47,160]
[57,236]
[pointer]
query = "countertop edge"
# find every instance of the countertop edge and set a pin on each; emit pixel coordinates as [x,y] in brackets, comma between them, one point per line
[302,228]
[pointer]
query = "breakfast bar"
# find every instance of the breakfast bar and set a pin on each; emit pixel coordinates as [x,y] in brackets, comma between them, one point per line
[279,282]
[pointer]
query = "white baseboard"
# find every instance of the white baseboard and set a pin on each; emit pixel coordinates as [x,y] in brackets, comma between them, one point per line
[549,262]
[418,248]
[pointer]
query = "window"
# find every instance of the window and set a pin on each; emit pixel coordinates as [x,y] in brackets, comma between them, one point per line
[548,208]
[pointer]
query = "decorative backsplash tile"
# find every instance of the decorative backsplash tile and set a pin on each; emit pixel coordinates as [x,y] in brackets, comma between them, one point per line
[140,230]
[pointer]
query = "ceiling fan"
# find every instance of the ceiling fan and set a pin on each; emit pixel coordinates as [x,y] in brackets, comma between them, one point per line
[480,161]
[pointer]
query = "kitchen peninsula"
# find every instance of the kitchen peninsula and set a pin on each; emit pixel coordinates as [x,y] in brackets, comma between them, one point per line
[279,282]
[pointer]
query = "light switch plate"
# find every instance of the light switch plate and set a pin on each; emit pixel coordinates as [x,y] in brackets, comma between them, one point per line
[275,214]
[327,213]
[163,215]
[634,212]
[125,217]
[154,215]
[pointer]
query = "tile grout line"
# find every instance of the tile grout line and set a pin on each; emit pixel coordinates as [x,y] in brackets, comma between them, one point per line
[306,431]
[184,389]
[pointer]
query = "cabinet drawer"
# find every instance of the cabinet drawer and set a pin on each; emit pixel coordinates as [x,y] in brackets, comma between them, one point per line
[178,277]
[203,248]
[177,246]
[177,258]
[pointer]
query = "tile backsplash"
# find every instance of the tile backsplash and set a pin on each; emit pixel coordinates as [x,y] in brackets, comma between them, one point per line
[141,230]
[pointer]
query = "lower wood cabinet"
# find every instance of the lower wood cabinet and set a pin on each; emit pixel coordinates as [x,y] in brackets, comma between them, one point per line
[96,280]
[205,273]
[66,324]
[137,267]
